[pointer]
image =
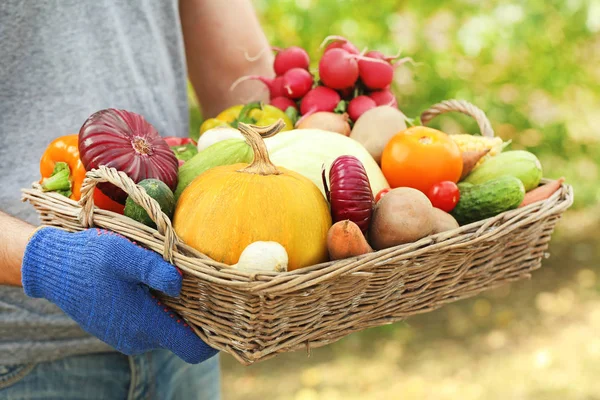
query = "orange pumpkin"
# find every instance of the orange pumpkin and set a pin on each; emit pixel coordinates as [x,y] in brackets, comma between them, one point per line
[227,208]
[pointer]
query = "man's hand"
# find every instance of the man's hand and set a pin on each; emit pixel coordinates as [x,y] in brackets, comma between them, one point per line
[14,235]
[102,280]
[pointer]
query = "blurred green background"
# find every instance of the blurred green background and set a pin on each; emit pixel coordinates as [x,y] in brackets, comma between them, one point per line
[534,68]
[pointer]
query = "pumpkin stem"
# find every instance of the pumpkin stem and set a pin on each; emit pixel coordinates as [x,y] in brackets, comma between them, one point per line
[253,134]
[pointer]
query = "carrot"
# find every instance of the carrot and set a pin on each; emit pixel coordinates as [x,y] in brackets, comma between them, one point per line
[470,158]
[541,192]
[345,239]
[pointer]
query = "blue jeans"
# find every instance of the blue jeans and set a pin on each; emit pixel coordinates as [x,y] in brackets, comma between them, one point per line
[155,375]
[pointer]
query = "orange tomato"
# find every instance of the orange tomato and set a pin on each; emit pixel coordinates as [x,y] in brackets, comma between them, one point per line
[419,157]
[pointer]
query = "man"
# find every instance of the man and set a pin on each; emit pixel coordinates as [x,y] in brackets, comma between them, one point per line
[69,301]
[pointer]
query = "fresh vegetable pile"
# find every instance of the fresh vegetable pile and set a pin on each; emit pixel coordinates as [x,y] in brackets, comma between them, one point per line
[330,169]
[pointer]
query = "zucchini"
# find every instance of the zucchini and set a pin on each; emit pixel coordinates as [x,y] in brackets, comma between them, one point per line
[160,192]
[185,151]
[518,163]
[225,152]
[488,199]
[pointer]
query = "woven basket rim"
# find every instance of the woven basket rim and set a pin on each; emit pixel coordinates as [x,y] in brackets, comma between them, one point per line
[269,283]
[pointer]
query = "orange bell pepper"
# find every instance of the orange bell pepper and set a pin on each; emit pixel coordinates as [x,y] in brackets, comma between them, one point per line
[61,152]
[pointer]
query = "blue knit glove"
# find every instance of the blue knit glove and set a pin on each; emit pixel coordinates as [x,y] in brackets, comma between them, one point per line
[101,279]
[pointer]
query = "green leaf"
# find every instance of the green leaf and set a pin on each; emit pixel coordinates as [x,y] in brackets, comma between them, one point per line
[341,107]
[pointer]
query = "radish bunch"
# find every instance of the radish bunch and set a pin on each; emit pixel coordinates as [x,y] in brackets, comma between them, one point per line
[348,81]
[292,81]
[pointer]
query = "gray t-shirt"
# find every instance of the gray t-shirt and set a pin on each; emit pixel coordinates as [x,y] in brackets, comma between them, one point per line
[60,61]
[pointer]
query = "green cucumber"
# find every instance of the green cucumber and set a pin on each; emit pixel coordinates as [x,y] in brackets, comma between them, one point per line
[464,185]
[225,152]
[488,199]
[160,192]
[518,163]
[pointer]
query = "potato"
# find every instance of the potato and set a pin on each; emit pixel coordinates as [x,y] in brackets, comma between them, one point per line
[442,221]
[375,128]
[403,215]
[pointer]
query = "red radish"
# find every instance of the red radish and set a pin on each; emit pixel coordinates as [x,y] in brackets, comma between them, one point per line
[347,93]
[297,82]
[320,98]
[338,69]
[379,55]
[339,42]
[384,97]
[375,73]
[375,54]
[276,89]
[359,105]
[283,103]
[349,192]
[275,85]
[291,57]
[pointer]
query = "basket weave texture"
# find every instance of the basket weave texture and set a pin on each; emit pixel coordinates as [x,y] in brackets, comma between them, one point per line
[255,315]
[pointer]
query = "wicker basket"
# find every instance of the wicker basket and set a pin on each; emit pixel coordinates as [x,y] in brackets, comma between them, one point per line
[255,316]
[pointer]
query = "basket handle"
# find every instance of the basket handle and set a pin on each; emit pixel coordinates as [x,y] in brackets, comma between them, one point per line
[137,194]
[464,107]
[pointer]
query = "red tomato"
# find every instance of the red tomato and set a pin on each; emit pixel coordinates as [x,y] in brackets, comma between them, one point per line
[177,141]
[444,195]
[381,193]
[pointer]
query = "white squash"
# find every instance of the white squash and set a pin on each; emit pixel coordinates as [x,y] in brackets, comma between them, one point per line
[216,135]
[306,151]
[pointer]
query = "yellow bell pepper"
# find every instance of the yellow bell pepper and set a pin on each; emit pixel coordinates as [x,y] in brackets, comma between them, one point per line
[253,113]
[230,114]
[268,114]
[211,123]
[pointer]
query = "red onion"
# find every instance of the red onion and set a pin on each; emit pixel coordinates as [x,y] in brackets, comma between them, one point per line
[127,142]
[349,192]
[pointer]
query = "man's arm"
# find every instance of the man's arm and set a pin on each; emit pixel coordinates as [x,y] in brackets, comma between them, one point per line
[14,235]
[217,35]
